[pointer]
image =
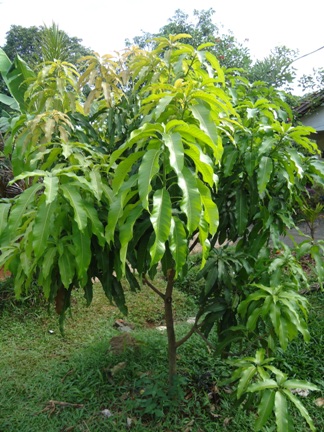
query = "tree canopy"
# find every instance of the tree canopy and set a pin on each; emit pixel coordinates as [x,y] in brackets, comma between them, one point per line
[275,69]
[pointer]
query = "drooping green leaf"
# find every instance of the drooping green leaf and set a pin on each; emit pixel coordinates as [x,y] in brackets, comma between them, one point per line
[191,202]
[174,144]
[178,244]
[72,194]
[264,174]
[148,169]
[202,114]
[123,168]
[51,188]
[43,226]
[211,214]
[203,164]
[126,231]
[96,183]
[161,221]
[66,265]
[82,246]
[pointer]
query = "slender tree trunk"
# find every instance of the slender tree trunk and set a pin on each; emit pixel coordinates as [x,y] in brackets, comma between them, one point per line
[172,346]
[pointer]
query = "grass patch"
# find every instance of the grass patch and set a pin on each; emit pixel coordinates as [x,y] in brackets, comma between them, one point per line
[82,370]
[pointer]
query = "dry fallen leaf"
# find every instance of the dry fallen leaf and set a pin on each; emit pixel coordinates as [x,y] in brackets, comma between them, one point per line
[319,402]
[117,368]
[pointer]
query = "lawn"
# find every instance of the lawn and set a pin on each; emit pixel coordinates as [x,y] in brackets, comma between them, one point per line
[97,378]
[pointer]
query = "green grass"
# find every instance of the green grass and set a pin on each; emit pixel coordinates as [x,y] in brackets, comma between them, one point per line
[37,366]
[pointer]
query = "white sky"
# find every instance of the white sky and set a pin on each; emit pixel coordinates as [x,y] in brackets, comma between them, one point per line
[103,25]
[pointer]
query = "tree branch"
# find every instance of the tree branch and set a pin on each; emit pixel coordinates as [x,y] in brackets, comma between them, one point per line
[193,329]
[148,283]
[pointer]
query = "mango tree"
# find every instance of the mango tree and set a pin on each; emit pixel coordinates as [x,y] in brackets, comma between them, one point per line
[165,149]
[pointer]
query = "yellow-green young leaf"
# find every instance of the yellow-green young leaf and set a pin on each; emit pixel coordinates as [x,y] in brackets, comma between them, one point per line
[178,243]
[215,64]
[241,211]
[191,202]
[265,408]
[303,411]
[264,174]
[161,221]
[174,144]
[147,170]
[281,412]
[72,195]
[66,265]
[49,129]
[51,188]
[43,227]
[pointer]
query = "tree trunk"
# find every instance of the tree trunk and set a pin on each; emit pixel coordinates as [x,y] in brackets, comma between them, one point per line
[172,347]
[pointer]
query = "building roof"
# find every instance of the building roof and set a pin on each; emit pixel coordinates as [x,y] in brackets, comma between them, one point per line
[310,102]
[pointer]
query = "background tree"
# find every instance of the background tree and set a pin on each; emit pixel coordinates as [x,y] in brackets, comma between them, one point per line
[275,69]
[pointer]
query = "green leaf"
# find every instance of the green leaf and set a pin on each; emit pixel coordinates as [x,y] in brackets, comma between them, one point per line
[202,114]
[265,409]
[147,170]
[126,231]
[178,244]
[82,246]
[124,167]
[161,221]
[211,214]
[20,207]
[262,385]
[281,412]
[66,266]
[203,164]
[96,183]
[4,210]
[51,188]
[304,385]
[241,211]
[42,227]
[96,224]
[9,101]
[48,261]
[246,376]
[264,174]
[191,202]
[303,411]
[72,195]
[174,144]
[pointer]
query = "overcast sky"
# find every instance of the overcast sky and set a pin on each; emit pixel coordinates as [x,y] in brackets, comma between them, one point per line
[103,25]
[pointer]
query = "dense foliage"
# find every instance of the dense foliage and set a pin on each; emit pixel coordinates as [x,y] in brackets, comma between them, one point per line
[165,149]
